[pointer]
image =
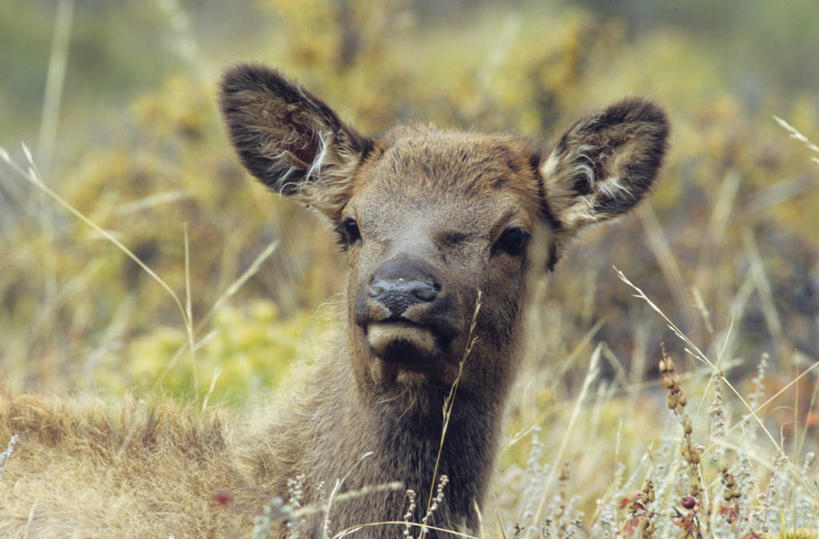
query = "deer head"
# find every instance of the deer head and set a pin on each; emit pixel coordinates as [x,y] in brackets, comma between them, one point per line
[427,218]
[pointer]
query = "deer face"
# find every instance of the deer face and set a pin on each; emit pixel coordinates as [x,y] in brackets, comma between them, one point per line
[429,218]
[434,218]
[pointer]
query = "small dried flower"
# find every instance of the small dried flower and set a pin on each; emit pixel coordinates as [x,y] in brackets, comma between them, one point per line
[409,513]
[688,427]
[222,497]
[436,501]
[5,455]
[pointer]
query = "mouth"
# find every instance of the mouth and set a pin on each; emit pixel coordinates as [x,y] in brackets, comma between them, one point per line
[403,342]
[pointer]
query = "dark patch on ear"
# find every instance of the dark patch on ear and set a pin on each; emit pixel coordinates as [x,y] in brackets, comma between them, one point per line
[641,171]
[633,110]
[606,163]
[581,186]
[278,128]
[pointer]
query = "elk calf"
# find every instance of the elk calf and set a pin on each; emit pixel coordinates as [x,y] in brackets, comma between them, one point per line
[428,219]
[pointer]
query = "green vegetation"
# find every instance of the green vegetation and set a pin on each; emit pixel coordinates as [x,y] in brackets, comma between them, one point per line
[727,248]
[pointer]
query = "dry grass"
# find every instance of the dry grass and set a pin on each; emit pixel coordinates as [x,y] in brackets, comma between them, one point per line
[722,266]
[726,472]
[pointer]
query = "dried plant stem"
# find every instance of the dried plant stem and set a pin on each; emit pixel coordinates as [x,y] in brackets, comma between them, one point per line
[216,374]
[553,470]
[448,533]
[234,287]
[795,134]
[669,267]
[776,395]
[46,142]
[335,496]
[450,399]
[691,454]
[32,176]
[5,455]
[693,350]
[58,60]
[220,301]
[185,310]
[189,312]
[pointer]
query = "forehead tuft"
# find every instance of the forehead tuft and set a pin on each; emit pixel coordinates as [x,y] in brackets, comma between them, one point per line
[431,161]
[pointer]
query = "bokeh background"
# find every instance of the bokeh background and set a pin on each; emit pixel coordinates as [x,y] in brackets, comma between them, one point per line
[116,104]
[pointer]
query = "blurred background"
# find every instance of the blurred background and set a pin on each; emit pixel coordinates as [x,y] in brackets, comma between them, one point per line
[108,111]
[116,103]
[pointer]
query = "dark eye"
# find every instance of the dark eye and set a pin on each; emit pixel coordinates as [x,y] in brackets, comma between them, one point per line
[348,232]
[512,241]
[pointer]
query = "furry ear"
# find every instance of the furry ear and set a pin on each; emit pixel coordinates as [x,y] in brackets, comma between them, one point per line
[289,139]
[603,165]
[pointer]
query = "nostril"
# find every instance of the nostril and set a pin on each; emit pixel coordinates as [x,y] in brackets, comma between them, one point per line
[422,290]
[375,289]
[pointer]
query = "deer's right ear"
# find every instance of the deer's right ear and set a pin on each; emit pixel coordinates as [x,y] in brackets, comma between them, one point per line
[289,139]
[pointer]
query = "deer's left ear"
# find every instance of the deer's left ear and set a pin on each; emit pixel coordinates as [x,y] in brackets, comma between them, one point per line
[290,139]
[603,165]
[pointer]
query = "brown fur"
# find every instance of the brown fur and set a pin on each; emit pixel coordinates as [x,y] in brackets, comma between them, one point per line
[427,218]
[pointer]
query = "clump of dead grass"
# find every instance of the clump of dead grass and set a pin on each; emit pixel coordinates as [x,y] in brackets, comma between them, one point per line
[715,470]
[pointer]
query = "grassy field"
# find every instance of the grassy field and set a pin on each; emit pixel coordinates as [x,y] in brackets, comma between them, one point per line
[670,382]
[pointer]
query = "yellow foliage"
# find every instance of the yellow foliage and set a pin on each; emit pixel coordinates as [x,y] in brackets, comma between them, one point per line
[179,109]
[246,352]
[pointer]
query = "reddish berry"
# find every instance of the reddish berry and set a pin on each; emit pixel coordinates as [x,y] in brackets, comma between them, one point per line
[689,502]
[222,497]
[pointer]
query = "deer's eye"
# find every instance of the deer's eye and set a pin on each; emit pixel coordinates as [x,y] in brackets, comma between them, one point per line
[512,241]
[348,232]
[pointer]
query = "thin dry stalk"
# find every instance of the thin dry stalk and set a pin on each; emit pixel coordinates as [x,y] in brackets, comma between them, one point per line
[436,501]
[450,399]
[697,497]
[334,492]
[665,258]
[795,134]
[694,351]
[47,138]
[216,374]
[277,510]
[763,286]
[58,60]
[185,309]
[700,303]
[410,511]
[220,301]
[591,375]
[32,176]
[448,533]
[189,310]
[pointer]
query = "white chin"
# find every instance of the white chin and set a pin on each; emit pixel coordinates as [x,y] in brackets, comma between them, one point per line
[401,342]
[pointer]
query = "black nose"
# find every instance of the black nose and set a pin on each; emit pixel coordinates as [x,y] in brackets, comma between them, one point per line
[399,294]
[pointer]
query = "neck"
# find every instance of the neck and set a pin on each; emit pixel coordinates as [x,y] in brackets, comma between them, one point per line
[402,438]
